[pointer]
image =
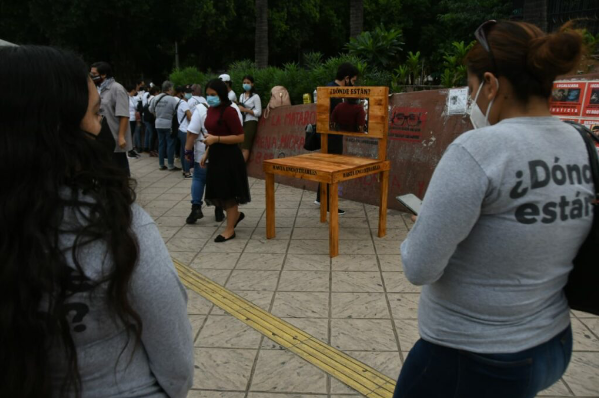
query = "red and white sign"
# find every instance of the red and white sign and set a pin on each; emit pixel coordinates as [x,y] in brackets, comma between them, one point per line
[567,98]
[591,100]
[593,125]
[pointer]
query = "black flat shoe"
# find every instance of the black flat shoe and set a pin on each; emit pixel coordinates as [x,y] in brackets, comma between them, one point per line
[221,238]
[241,217]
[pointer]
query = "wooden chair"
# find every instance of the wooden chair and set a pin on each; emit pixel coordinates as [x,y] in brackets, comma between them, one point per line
[330,169]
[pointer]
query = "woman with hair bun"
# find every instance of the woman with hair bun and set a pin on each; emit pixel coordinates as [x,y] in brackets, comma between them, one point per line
[90,302]
[504,215]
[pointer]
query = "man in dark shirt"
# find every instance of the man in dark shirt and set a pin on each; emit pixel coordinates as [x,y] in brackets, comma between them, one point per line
[346,76]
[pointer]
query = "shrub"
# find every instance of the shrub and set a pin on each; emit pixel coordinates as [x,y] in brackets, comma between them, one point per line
[380,48]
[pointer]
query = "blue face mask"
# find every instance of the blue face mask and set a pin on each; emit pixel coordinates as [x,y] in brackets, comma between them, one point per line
[247,87]
[213,100]
[188,95]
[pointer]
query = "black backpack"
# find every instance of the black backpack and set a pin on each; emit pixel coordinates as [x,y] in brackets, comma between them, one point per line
[176,123]
[147,116]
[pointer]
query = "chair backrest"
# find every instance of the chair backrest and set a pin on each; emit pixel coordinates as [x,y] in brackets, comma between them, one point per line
[377,115]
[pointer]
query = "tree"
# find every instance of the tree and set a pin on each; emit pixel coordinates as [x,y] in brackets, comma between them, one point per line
[356,17]
[380,47]
[261,46]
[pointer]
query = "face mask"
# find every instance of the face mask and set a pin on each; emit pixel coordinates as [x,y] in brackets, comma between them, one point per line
[477,117]
[247,87]
[213,100]
[348,83]
[188,95]
[97,80]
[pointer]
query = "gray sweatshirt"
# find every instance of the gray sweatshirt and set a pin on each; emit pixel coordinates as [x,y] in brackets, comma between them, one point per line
[504,215]
[163,107]
[162,363]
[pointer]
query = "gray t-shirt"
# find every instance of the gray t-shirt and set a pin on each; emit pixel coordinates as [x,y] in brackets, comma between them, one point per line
[114,106]
[162,364]
[504,216]
[163,107]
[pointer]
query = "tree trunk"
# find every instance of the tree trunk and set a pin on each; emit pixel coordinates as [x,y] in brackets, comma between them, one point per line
[261,46]
[356,17]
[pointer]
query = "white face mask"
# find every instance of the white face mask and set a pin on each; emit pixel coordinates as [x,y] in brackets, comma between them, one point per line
[477,117]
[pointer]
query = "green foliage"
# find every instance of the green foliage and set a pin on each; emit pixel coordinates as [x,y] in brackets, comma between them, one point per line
[297,79]
[380,48]
[455,72]
[414,65]
[138,36]
[401,75]
[189,75]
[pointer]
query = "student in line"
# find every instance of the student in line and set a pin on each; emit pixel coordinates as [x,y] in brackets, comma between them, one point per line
[250,106]
[226,178]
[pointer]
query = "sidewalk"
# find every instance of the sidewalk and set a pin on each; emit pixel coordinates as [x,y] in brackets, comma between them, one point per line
[359,302]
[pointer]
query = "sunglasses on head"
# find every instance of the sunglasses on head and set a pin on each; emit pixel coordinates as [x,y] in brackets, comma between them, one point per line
[480,34]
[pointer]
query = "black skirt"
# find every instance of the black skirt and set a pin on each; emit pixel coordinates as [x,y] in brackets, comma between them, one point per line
[226,177]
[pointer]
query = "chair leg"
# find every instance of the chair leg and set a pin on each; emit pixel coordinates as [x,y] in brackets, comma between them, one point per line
[333,222]
[383,204]
[323,202]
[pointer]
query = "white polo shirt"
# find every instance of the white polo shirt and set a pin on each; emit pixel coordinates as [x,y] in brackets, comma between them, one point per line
[183,122]
[253,103]
[196,126]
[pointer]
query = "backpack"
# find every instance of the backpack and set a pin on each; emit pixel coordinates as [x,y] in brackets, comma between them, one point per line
[279,96]
[147,115]
[175,124]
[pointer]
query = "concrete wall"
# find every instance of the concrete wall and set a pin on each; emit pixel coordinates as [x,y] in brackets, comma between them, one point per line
[414,151]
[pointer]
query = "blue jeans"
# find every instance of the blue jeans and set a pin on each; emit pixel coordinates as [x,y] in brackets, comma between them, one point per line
[434,371]
[184,163]
[166,147]
[198,183]
[149,135]
[137,136]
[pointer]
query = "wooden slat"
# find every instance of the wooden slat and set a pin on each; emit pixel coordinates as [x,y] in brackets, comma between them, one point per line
[378,112]
[360,171]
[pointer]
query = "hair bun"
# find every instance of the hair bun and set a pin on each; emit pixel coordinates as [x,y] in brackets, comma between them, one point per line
[556,53]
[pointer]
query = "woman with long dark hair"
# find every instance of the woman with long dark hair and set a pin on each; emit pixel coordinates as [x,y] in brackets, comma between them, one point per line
[226,177]
[250,106]
[90,303]
[506,211]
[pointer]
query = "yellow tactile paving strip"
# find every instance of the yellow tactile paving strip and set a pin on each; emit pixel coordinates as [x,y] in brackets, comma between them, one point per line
[362,378]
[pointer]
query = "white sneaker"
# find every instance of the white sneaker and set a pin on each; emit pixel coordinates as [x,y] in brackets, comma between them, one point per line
[317,203]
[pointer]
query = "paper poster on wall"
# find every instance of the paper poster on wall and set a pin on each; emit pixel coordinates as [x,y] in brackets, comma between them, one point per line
[407,124]
[567,98]
[457,101]
[591,100]
[593,125]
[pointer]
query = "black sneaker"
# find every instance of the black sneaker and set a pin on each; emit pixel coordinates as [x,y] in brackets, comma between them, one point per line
[162,168]
[175,168]
[219,215]
[133,155]
[195,215]
[340,212]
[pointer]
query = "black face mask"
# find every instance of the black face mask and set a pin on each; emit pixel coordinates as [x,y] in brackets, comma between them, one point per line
[96,79]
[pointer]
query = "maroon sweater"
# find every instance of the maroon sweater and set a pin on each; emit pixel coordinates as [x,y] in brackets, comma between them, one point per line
[230,124]
[349,116]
